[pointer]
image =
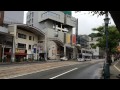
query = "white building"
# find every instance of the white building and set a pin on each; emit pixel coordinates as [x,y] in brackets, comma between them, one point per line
[57,26]
[25,42]
[97,52]
[6,18]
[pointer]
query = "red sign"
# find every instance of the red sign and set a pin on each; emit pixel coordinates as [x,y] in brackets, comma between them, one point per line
[73,39]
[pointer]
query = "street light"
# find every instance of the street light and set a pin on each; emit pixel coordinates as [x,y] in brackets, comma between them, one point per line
[106,64]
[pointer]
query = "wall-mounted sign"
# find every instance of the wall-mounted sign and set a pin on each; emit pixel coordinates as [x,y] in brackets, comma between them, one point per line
[20,51]
[68,38]
[73,39]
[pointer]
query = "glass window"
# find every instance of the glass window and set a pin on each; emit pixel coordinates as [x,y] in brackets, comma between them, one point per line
[32,20]
[21,45]
[32,14]
[29,47]
[23,36]
[30,37]
[33,38]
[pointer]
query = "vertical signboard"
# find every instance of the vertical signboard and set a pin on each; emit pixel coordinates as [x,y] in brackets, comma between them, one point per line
[68,38]
[73,39]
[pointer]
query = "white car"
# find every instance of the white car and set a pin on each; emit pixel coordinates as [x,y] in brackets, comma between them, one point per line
[64,58]
[81,59]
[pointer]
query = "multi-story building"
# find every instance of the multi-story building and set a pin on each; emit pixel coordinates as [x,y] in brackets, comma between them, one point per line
[83,40]
[25,42]
[97,52]
[57,26]
[19,41]
[11,17]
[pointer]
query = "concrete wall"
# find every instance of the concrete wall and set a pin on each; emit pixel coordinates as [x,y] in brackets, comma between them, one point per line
[54,15]
[14,16]
[69,20]
[52,50]
[51,32]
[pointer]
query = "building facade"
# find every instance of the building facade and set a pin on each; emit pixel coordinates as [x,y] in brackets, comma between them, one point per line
[83,40]
[25,42]
[97,52]
[12,17]
[57,26]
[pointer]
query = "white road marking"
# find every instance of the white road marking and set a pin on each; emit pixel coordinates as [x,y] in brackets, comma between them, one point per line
[63,73]
[14,76]
[116,67]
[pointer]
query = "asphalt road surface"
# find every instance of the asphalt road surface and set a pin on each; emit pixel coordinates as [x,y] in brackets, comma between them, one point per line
[78,71]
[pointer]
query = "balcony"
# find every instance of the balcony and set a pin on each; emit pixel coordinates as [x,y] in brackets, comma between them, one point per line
[53,15]
[71,21]
[51,33]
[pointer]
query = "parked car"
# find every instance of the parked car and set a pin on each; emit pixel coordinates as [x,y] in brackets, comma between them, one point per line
[81,59]
[64,59]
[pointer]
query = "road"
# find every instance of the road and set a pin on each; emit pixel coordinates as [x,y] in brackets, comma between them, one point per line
[78,71]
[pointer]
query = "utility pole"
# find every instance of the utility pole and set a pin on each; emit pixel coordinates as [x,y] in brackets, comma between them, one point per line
[46,46]
[77,32]
[106,67]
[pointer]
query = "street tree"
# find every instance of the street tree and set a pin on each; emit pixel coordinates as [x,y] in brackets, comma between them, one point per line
[113,38]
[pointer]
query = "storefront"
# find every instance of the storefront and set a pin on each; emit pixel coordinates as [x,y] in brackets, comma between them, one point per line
[5,45]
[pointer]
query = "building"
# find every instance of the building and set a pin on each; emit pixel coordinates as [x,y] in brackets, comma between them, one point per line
[6,41]
[97,52]
[25,42]
[11,17]
[83,40]
[57,26]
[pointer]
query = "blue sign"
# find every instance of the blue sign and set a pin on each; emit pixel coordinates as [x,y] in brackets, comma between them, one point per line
[34,50]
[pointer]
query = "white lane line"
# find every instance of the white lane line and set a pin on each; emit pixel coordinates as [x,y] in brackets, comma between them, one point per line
[14,76]
[63,73]
[116,67]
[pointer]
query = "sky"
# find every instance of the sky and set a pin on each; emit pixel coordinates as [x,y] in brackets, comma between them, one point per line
[86,21]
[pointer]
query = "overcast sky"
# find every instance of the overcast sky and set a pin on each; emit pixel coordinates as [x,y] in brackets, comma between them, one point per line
[86,21]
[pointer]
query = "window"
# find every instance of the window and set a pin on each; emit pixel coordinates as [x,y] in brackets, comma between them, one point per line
[32,20]
[32,14]
[29,47]
[21,45]
[30,37]
[23,36]
[33,38]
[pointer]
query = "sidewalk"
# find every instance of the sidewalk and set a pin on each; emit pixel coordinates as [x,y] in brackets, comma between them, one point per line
[115,70]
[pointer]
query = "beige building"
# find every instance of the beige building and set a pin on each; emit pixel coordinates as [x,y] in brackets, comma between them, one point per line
[25,42]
